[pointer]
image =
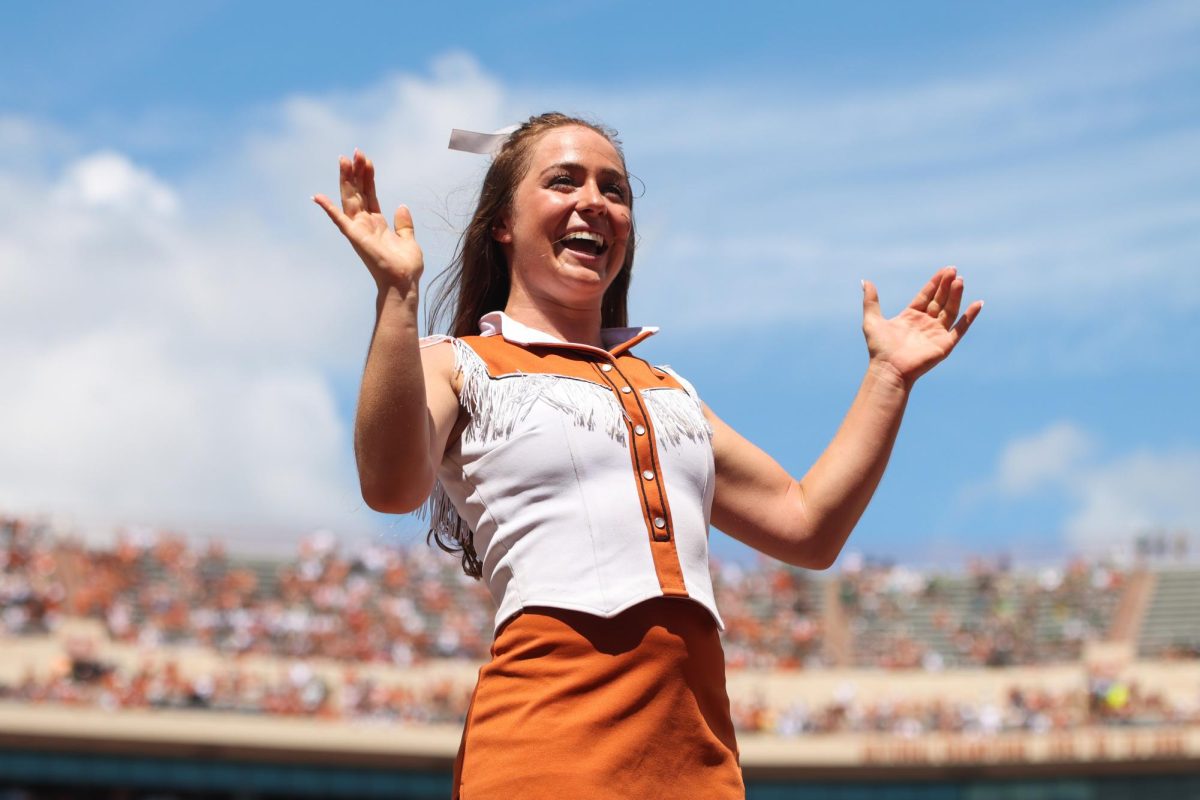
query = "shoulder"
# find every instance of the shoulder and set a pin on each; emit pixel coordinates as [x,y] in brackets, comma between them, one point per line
[441,361]
[438,351]
[683,382]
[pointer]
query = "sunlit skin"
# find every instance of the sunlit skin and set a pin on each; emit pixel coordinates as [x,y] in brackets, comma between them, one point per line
[575,182]
[408,407]
[806,522]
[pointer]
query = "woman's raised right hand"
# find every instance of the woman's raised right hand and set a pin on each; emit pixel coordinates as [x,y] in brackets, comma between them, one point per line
[391,253]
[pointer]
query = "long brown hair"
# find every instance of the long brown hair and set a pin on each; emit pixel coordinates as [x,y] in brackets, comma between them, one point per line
[477,279]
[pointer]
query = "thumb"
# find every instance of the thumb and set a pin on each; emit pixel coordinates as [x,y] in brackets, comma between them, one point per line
[403,222]
[870,300]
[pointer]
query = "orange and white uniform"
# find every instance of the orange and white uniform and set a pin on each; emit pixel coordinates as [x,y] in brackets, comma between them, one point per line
[586,476]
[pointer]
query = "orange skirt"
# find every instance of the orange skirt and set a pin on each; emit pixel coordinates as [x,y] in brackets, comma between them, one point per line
[574,705]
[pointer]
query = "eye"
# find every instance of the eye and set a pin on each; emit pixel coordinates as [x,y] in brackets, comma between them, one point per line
[617,191]
[561,179]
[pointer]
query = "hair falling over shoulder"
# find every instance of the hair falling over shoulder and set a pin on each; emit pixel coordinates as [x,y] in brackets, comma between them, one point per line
[477,279]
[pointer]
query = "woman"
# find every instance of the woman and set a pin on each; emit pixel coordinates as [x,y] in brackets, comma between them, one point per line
[579,481]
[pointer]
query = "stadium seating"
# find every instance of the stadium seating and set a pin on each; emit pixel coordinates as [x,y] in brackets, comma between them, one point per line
[1172,623]
[347,635]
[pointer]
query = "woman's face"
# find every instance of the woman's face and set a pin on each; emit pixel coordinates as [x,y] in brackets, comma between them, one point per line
[567,233]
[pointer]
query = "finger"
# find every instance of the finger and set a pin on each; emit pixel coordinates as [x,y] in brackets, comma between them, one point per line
[359,162]
[351,198]
[870,300]
[339,219]
[953,303]
[960,328]
[359,166]
[369,186]
[404,223]
[364,179]
[921,301]
[946,278]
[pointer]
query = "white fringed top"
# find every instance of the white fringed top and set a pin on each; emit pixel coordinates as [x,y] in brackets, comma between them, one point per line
[585,474]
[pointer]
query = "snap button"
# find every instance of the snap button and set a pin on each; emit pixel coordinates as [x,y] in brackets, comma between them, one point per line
[606,367]
[640,430]
[648,474]
[659,522]
[626,390]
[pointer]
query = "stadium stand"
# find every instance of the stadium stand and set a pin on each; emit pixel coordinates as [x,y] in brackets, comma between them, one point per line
[991,617]
[1172,623]
[878,666]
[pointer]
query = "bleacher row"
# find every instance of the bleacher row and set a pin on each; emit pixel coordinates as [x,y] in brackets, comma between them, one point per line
[988,617]
[398,608]
[1171,626]
[406,604]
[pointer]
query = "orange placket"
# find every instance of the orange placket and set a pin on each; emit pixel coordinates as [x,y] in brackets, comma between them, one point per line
[644,457]
[600,366]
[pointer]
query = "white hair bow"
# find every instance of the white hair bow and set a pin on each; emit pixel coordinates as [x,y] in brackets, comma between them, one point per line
[486,144]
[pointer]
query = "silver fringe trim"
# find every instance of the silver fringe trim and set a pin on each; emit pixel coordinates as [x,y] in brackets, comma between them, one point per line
[444,521]
[497,405]
[676,416]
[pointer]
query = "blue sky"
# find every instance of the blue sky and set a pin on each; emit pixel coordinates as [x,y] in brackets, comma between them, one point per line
[181,330]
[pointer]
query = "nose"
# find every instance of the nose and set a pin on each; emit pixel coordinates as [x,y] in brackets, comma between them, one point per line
[591,198]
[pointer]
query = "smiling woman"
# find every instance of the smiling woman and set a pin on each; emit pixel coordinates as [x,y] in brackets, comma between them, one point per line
[579,481]
[478,280]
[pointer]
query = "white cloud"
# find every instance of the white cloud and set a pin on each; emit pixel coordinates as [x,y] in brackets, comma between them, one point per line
[402,121]
[168,348]
[110,424]
[1134,493]
[109,180]
[1056,181]
[1045,459]
[1111,499]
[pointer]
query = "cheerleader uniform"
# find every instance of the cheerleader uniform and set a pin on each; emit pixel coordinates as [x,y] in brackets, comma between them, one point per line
[586,476]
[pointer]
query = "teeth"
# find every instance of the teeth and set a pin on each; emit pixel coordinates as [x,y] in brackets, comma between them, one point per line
[586,236]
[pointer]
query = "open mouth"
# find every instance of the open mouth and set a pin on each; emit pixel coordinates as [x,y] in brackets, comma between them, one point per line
[584,243]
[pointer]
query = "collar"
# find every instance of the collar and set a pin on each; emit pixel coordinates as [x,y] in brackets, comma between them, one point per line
[615,340]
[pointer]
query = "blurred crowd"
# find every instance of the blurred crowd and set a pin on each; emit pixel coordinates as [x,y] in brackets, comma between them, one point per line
[772,614]
[80,679]
[991,616]
[1105,700]
[393,604]
[404,605]
[31,585]
[398,605]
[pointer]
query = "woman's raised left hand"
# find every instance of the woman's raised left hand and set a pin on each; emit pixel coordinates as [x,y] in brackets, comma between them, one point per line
[915,340]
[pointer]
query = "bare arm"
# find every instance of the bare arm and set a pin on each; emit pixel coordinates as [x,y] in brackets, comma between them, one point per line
[806,522]
[406,405]
[406,409]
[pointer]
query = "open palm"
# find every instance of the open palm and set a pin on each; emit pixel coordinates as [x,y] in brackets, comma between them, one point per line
[924,333]
[390,252]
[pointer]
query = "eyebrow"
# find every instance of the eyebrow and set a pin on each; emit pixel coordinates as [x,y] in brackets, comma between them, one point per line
[574,165]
